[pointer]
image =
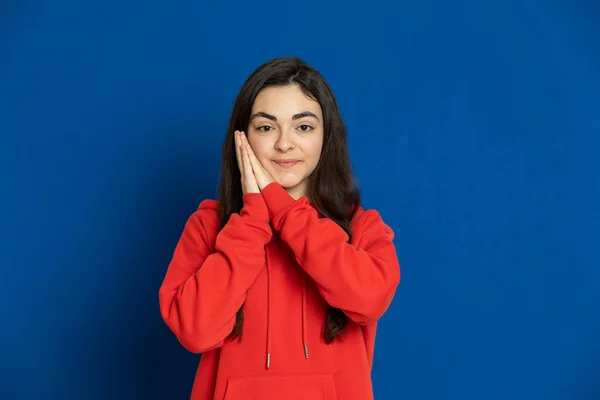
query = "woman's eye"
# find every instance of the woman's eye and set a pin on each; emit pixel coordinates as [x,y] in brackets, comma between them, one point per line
[305,128]
[264,128]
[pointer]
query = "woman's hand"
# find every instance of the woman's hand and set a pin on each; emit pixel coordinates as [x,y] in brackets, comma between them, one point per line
[261,175]
[249,183]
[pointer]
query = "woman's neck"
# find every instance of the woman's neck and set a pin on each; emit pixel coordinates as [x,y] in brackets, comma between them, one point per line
[299,190]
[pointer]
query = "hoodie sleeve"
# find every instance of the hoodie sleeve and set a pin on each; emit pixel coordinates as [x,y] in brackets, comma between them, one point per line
[359,278]
[203,289]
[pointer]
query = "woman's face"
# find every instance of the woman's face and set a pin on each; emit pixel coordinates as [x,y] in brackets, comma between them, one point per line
[286,134]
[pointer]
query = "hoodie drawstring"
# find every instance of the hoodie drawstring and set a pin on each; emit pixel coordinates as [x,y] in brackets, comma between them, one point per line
[304,321]
[304,344]
[268,311]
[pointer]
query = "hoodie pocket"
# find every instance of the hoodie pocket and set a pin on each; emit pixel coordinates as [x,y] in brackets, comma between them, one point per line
[289,387]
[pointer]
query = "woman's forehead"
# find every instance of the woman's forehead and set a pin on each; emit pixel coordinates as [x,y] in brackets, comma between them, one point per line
[285,102]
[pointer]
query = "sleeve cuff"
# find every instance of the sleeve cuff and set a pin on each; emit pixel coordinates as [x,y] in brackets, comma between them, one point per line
[277,199]
[255,207]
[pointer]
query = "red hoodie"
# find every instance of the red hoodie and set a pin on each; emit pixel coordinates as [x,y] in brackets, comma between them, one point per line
[286,263]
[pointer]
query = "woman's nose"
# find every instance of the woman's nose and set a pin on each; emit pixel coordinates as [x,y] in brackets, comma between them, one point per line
[285,141]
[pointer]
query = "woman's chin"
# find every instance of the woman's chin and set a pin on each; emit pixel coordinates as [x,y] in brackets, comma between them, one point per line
[288,182]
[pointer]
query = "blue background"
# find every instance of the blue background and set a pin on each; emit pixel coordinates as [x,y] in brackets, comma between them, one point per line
[473,129]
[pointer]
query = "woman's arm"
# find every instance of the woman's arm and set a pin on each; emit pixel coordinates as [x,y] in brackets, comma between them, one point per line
[359,278]
[203,290]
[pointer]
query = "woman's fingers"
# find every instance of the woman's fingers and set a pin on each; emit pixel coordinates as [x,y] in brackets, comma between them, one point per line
[248,180]
[238,151]
[247,167]
[251,156]
[253,160]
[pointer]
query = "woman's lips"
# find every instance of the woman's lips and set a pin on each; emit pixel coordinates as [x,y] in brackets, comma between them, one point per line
[286,163]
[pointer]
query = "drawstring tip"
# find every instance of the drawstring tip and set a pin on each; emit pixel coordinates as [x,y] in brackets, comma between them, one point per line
[268,360]
[306,351]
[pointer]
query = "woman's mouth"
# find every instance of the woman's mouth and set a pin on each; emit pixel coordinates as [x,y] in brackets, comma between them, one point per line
[286,163]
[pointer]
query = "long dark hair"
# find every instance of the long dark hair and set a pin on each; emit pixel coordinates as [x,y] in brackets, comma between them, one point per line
[332,188]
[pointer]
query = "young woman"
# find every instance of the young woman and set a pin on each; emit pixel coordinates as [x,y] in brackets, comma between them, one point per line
[280,283]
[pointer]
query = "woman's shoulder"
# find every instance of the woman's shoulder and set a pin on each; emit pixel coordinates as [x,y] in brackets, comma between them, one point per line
[208,204]
[207,210]
[205,219]
[364,215]
[368,224]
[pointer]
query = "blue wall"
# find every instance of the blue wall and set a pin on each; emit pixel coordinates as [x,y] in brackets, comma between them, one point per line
[473,128]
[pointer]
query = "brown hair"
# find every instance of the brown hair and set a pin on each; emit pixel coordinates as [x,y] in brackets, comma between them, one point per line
[332,188]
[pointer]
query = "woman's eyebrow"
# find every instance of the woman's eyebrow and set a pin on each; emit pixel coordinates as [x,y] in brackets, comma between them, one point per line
[263,114]
[305,114]
[274,118]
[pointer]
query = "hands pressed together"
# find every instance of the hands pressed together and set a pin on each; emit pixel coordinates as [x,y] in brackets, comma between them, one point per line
[253,175]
